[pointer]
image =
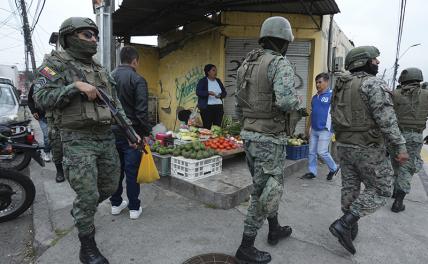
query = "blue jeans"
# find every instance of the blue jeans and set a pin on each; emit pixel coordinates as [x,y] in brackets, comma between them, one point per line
[44,126]
[129,163]
[318,144]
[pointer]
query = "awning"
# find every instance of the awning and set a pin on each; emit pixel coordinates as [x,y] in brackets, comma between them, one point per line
[154,17]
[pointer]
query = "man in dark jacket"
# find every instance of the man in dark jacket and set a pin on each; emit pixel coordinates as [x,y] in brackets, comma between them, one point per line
[133,94]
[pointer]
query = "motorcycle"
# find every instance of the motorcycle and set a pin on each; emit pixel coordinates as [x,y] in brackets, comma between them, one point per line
[17,147]
[17,194]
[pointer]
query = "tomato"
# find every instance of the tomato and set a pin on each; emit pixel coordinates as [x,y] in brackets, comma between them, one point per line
[228,148]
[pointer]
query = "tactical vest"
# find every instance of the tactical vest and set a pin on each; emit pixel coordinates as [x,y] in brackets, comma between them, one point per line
[255,95]
[351,119]
[81,113]
[411,107]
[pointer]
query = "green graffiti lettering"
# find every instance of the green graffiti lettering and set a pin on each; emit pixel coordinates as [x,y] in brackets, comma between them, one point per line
[186,86]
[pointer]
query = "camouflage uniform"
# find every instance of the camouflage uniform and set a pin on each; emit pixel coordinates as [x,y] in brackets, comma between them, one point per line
[369,164]
[265,153]
[90,161]
[403,174]
[410,104]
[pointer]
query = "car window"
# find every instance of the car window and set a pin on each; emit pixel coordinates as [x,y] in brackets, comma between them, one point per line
[6,96]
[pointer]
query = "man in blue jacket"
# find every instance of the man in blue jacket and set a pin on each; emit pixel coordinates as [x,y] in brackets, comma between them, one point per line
[321,134]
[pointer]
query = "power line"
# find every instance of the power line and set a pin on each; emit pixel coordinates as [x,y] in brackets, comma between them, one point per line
[37,20]
[399,35]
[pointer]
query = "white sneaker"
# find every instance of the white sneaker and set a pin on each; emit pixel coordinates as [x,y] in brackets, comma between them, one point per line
[115,210]
[134,214]
[46,156]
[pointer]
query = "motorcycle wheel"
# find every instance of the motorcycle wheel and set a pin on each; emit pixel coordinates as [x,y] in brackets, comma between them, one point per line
[17,194]
[20,161]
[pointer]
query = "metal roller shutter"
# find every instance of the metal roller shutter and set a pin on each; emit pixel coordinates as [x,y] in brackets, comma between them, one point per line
[298,54]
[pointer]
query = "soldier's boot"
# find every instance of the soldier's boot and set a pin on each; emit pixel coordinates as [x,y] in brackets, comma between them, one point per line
[248,254]
[394,193]
[89,253]
[59,173]
[341,228]
[398,204]
[354,231]
[277,232]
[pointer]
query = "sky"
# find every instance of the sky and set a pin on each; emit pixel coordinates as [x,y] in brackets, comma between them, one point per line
[365,22]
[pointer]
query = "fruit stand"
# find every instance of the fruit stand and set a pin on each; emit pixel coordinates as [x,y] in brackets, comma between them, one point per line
[195,152]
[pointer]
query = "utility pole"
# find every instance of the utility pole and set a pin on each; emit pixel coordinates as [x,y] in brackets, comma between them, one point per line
[27,36]
[106,46]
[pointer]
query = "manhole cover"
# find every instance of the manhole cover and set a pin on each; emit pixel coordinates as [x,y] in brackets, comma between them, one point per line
[212,258]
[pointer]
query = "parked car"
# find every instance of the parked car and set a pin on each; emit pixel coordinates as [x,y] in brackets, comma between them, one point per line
[11,109]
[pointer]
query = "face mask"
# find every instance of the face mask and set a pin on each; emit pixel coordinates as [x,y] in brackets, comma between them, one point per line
[373,68]
[81,49]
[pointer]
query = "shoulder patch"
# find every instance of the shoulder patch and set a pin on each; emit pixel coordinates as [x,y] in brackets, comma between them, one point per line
[48,73]
[40,83]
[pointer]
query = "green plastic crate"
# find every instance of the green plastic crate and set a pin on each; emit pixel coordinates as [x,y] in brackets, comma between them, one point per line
[163,164]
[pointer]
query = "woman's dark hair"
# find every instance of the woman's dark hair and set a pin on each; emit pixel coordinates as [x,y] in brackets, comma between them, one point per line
[208,68]
[128,54]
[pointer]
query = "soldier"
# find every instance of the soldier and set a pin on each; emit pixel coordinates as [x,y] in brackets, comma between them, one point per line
[66,86]
[363,116]
[411,108]
[265,92]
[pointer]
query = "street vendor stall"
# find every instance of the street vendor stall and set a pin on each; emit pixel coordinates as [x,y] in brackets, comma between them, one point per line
[193,153]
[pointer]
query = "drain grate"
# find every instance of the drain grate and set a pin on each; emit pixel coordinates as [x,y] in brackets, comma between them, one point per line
[212,258]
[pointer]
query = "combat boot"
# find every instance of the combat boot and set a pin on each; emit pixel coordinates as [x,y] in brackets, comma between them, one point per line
[398,205]
[394,193]
[341,228]
[89,253]
[277,232]
[248,254]
[59,173]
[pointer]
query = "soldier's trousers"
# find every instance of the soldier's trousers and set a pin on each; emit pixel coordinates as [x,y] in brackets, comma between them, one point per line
[56,144]
[92,168]
[403,174]
[368,166]
[265,161]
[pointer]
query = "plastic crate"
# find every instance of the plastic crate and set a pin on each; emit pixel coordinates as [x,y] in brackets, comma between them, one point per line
[297,152]
[191,170]
[163,163]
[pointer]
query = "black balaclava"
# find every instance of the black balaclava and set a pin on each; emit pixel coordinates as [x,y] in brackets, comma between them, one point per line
[275,44]
[80,49]
[369,67]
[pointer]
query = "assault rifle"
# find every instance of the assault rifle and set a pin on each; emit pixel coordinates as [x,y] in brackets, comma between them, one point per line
[129,130]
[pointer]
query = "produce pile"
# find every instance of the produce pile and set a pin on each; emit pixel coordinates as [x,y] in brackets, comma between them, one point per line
[194,150]
[221,143]
[297,140]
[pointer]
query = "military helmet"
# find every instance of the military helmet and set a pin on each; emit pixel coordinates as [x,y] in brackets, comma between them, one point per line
[359,56]
[411,74]
[276,27]
[72,24]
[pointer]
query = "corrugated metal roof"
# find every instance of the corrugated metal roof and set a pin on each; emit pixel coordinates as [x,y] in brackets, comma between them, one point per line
[154,17]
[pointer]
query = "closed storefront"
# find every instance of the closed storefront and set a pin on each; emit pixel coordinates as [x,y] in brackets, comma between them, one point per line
[298,53]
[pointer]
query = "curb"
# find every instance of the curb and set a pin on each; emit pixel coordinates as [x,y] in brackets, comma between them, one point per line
[44,234]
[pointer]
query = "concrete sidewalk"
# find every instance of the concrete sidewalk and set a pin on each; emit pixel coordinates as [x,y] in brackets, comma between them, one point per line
[173,228]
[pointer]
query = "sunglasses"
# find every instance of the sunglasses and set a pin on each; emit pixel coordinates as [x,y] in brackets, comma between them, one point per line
[89,34]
